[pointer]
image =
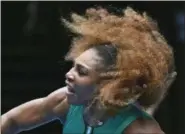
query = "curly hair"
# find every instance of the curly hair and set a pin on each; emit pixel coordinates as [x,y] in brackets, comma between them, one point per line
[144,58]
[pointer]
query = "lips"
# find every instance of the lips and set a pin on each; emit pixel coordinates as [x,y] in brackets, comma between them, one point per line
[70,87]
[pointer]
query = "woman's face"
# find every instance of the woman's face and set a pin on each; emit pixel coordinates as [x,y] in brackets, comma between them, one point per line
[82,77]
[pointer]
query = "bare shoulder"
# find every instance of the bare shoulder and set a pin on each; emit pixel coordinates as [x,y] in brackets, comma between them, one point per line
[61,92]
[144,126]
[58,97]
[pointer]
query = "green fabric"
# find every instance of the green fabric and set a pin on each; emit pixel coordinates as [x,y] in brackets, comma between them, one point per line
[116,125]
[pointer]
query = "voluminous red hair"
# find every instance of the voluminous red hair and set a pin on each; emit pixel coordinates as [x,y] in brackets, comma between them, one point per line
[144,58]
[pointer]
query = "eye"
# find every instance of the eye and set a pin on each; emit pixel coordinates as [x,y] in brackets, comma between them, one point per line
[82,71]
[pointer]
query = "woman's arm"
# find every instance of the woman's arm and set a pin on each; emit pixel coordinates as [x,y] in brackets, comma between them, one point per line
[35,112]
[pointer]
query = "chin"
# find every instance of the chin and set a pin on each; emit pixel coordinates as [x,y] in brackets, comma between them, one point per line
[74,101]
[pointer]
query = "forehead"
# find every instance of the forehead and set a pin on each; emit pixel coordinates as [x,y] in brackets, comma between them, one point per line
[89,59]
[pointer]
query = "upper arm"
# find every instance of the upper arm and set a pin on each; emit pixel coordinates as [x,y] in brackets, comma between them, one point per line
[36,112]
[57,100]
[143,126]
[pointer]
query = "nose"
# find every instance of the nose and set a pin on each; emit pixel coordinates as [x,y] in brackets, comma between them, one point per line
[69,76]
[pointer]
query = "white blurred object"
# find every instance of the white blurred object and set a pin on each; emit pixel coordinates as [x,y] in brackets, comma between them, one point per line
[32,10]
[180,26]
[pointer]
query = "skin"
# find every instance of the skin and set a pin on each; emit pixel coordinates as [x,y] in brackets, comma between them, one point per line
[144,126]
[82,77]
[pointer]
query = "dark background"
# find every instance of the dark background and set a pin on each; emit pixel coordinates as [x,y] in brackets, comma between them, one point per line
[33,44]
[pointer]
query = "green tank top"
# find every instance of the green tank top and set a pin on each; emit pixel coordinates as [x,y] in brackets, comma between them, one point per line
[74,123]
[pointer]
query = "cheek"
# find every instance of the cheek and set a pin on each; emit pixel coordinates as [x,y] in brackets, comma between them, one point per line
[86,81]
[85,89]
[85,85]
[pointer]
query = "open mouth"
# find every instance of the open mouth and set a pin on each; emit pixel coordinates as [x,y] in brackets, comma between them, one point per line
[70,89]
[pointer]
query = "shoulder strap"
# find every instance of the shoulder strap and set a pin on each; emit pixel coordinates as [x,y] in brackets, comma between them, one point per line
[131,114]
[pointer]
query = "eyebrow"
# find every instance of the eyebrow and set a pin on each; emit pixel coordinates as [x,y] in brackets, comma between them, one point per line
[82,65]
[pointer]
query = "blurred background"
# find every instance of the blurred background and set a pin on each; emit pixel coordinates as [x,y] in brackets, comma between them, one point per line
[33,44]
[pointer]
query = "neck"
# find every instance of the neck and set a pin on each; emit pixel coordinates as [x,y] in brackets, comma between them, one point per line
[95,114]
